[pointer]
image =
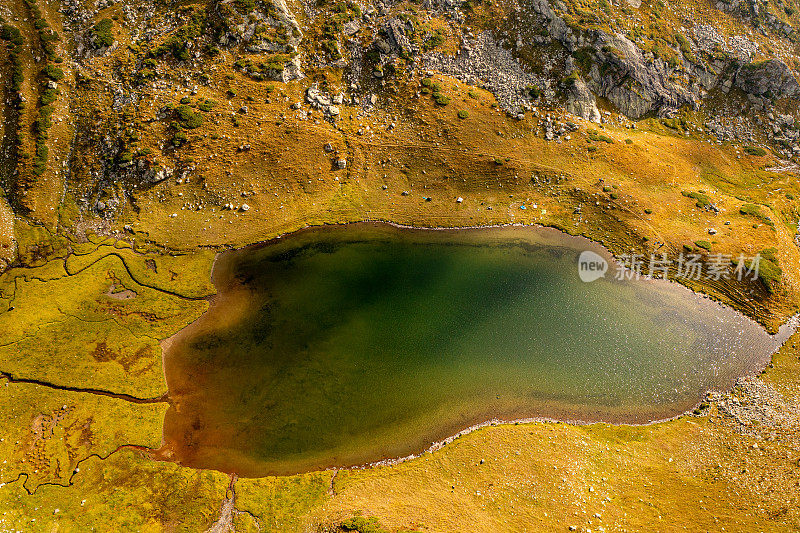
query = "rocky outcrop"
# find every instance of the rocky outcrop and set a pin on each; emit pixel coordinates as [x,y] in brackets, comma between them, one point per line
[757,13]
[581,101]
[398,34]
[269,28]
[635,84]
[482,61]
[769,79]
[618,70]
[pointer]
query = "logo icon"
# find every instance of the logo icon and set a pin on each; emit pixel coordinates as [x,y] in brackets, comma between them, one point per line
[591,266]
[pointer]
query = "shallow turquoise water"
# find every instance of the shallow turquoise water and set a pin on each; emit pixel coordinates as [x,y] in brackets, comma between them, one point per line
[346,345]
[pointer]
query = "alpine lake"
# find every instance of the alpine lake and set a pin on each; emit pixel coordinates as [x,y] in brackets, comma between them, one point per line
[345,345]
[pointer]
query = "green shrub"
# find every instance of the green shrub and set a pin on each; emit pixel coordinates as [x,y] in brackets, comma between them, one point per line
[102,33]
[684,46]
[53,72]
[244,6]
[48,96]
[753,210]
[571,79]
[677,124]
[175,46]
[755,151]
[147,74]
[701,200]
[769,254]
[599,137]
[17,76]
[177,43]
[43,122]
[206,105]
[434,41]
[360,524]
[463,114]
[188,119]
[179,139]
[40,163]
[769,273]
[705,245]
[533,91]
[441,99]
[11,34]
[750,209]
[331,48]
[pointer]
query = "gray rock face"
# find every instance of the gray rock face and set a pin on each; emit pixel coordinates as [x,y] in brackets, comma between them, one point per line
[635,84]
[756,13]
[620,72]
[638,83]
[582,102]
[245,29]
[382,46]
[484,62]
[771,79]
[396,29]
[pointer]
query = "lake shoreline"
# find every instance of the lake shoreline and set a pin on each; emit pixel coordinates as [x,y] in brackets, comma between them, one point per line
[792,324]
[494,421]
[702,289]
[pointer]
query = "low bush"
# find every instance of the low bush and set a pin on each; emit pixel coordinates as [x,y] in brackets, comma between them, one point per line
[755,151]
[101,33]
[701,200]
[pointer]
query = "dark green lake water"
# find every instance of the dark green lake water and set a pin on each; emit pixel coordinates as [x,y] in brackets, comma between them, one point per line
[345,345]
